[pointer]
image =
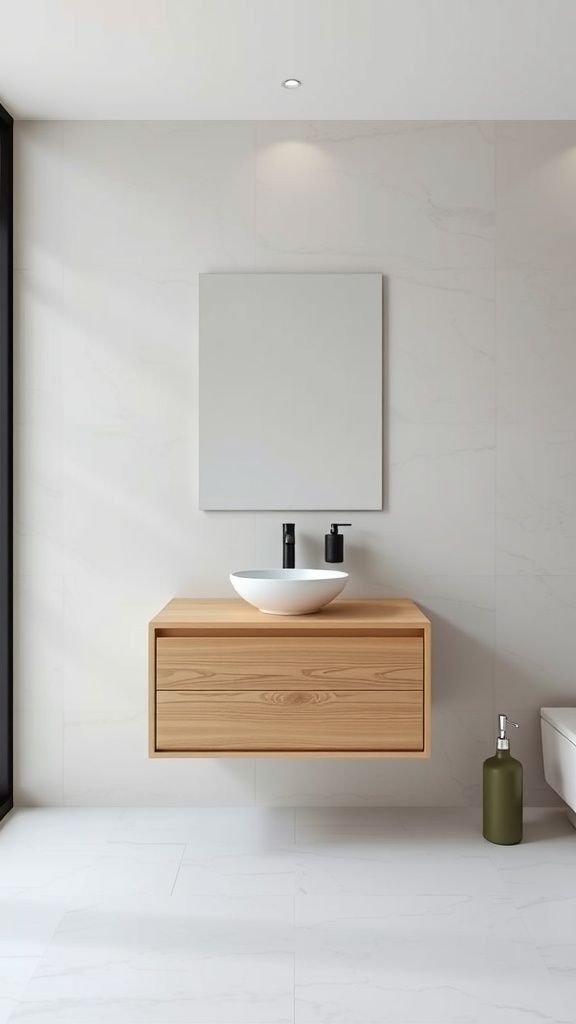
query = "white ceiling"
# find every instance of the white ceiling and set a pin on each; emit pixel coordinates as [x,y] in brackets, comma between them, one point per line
[225,59]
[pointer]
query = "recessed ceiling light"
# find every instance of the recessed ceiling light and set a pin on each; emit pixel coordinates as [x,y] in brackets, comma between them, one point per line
[291,83]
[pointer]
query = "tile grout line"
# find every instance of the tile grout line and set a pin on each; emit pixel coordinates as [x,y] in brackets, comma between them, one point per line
[294,958]
[178,869]
[496,431]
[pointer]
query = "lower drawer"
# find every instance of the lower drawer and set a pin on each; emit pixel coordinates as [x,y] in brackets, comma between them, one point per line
[292,720]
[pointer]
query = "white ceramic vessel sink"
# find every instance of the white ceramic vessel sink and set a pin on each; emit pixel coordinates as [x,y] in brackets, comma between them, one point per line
[288,591]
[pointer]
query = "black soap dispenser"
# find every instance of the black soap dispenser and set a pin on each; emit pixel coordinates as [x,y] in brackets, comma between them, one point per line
[334,544]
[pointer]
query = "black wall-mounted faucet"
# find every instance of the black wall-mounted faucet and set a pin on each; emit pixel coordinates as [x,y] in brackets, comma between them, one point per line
[288,545]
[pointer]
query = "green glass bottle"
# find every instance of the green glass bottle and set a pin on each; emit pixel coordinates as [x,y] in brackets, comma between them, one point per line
[502,792]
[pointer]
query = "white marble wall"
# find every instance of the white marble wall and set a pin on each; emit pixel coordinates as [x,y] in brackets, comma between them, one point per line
[474,227]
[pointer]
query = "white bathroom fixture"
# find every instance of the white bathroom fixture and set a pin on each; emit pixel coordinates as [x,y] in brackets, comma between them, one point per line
[288,591]
[559,753]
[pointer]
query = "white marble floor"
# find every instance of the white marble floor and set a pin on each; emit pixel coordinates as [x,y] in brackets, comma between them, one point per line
[277,916]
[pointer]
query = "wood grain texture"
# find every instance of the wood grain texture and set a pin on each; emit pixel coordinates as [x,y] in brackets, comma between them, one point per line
[427,694]
[258,663]
[235,615]
[310,755]
[208,709]
[151,690]
[289,720]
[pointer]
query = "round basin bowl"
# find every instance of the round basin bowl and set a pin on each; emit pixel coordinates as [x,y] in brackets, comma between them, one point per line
[288,591]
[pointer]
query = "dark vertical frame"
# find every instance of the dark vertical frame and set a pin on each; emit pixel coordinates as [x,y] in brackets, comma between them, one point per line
[6,448]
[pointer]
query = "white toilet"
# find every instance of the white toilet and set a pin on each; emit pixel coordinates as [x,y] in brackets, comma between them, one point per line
[559,753]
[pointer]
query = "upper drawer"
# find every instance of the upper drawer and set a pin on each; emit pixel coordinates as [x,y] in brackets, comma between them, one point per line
[292,663]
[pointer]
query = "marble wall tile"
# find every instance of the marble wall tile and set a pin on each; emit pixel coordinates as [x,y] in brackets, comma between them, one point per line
[536,218]
[39,612]
[536,438]
[441,346]
[38,198]
[40,320]
[472,226]
[39,756]
[39,693]
[367,195]
[129,512]
[129,349]
[103,648]
[441,498]
[535,642]
[38,483]
[129,481]
[106,764]
[536,521]
[158,197]
[463,617]
[536,359]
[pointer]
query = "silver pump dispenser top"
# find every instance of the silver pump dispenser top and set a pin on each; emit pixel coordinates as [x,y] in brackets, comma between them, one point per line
[503,743]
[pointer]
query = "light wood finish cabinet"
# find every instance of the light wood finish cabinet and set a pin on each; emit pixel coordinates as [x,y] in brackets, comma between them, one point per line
[352,680]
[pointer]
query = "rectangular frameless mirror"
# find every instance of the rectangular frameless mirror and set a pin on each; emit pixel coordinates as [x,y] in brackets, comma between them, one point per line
[291,391]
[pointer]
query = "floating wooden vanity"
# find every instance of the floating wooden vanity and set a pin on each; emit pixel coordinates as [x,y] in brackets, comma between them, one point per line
[352,680]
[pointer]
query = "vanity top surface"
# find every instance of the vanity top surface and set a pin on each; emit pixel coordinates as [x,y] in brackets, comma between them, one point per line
[374,613]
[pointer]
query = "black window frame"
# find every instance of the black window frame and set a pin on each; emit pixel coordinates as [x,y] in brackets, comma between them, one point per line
[6,462]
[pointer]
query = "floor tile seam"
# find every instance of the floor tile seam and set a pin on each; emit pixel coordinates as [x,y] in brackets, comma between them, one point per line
[64,913]
[18,956]
[475,895]
[375,853]
[571,1019]
[294,959]
[496,897]
[429,894]
[18,999]
[42,845]
[371,847]
[146,842]
[50,899]
[538,879]
[177,875]
[479,894]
